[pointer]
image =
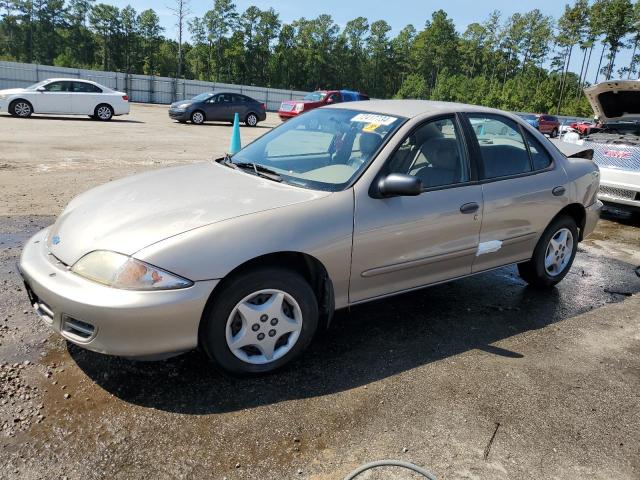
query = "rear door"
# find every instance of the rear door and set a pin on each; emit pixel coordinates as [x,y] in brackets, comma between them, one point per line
[56,98]
[85,97]
[521,188]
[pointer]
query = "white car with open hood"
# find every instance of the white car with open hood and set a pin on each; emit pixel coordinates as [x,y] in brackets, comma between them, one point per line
[616,146]
[65,96]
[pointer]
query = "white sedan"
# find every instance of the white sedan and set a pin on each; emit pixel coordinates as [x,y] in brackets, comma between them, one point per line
[65,96]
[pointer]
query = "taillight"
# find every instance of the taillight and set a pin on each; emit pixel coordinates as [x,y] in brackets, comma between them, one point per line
[264,105]
[125,98]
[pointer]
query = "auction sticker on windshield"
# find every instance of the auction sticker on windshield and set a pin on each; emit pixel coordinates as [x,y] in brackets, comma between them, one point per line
[373,118]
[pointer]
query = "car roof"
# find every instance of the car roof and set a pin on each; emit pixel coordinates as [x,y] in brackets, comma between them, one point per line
[415,108]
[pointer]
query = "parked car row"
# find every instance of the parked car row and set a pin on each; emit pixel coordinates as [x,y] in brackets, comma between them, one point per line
[546,124]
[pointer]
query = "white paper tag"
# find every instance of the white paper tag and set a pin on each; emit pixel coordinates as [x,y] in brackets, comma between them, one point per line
[374,118]
[489,247]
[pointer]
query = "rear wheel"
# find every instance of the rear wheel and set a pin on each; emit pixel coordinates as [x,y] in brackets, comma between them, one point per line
[554,254]
[20,108]
[197,117]
[251,120]
[103,112]
[259,321]
[554,133]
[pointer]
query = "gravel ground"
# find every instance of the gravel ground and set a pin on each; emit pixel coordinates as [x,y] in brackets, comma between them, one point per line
[479,378]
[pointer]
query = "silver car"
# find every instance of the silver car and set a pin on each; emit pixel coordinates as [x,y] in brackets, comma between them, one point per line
[249,256]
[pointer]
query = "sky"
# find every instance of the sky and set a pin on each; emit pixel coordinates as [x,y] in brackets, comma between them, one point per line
[401,13]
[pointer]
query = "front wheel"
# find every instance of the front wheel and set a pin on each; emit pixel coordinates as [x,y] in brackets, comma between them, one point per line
[251,120]
[553,255]
[197,117]
[259,321]
[21,108]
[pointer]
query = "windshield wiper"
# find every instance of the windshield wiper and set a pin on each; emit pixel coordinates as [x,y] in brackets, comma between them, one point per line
[259,170]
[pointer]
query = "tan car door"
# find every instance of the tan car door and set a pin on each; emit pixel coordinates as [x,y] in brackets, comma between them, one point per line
[522,189]
[406,242]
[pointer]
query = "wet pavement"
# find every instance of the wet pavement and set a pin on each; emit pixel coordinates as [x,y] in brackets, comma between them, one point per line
[430,372]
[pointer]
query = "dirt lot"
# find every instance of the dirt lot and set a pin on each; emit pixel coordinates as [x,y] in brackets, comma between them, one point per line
[428,377]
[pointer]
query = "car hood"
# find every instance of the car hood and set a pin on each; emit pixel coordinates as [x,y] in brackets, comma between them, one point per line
[615,100]
[129,214]
[11,91]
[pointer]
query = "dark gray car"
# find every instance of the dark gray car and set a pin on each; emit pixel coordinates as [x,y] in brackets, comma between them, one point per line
[218,107]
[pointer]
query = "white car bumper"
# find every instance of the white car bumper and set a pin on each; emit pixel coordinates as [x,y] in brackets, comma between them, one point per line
[620,187]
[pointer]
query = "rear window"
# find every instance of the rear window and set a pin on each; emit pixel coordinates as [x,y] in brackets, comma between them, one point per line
[83,87]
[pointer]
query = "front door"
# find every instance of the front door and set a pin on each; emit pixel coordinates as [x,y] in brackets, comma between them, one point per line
[522,189]
[402,243]
[56,98]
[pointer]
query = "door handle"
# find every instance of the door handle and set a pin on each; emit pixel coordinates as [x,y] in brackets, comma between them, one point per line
[558,191]
[469,207]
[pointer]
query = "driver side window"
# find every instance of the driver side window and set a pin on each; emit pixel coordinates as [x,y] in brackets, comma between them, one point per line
[434,153]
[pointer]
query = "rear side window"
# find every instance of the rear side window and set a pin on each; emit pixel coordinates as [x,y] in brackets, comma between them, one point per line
[539,155]
[239,99]
[502,148]
[82,87]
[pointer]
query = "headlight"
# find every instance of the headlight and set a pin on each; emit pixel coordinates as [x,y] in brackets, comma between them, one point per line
[183,106]
[2,97]
[121,271]
[299,107]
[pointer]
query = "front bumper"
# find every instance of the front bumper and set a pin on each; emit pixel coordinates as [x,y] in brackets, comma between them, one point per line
[179,114]
[287,115]
[620,188]
[109,320]
[591,218]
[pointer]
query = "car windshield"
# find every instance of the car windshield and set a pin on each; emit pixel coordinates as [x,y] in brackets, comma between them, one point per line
[201,97]
[36,85]
[315,96]
[323,149]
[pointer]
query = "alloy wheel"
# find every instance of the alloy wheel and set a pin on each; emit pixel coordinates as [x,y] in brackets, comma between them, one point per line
[252,120]
[264,326]
[559,251]
[197,118]
[22,109]
[104,113]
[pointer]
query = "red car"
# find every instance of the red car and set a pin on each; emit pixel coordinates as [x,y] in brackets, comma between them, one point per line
[549,125]
[292,108]
[585,128]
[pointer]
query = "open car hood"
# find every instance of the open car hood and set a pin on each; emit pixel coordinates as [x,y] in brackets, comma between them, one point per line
[615,100]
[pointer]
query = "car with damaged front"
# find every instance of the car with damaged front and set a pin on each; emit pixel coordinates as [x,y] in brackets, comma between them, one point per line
[248,256]
[615,142]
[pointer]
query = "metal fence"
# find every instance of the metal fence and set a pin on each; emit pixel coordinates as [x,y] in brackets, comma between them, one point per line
[140,88]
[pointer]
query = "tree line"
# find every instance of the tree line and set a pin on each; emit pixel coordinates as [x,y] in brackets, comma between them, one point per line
[521,62]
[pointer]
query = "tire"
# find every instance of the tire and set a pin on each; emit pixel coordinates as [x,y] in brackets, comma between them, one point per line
[554,133]
[103,112]
[21,108]
[197,117]
[549,265]
[222,324]
[251,120]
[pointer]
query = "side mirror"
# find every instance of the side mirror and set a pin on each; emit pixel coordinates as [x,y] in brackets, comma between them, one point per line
[399,185]
[40,89]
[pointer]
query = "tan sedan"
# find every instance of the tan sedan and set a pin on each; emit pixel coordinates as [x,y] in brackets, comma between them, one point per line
[250,255]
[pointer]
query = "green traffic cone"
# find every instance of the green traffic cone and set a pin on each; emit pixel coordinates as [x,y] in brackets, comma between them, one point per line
[235,146]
